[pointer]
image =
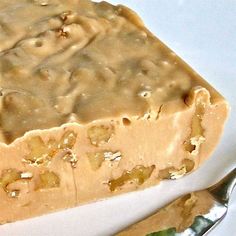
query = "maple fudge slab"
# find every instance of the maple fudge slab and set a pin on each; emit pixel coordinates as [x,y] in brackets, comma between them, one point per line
[93,105]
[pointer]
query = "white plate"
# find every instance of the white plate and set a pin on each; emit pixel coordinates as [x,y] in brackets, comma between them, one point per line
[203,33]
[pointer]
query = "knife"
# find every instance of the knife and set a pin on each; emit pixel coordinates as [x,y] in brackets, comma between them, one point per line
[193,214]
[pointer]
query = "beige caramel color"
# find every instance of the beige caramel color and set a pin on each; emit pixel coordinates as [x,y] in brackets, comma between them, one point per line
[93,105]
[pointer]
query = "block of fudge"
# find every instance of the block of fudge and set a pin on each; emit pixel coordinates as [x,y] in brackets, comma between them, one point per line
[93,105]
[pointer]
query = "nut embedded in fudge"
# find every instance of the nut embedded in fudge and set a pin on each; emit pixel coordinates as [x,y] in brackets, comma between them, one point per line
[93,105]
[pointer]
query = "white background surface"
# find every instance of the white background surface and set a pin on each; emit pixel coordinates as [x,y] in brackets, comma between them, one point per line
[203,33]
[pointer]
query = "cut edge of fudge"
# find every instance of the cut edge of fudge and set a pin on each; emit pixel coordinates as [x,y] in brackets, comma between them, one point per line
[75,163]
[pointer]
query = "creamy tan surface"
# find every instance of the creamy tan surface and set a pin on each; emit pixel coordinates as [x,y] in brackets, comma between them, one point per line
[57,65]
[92,106]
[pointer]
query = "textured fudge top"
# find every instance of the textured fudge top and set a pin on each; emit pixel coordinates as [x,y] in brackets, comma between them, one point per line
[65,61]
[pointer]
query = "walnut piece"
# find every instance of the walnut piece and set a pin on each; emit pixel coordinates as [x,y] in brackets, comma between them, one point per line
[62,33]
[200,98]
[194,143]
[166,173]
[68,140]
[112,156]
[26,175]
[178,173]
[48,179]
[64,15]
[139,174]
[10,176]
[173,173]
[96,159]
[42,153]
[71,158]
[100,134]
[189,164]
[39,152]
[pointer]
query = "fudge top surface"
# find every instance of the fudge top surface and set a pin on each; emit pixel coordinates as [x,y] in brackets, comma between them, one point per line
[64,61]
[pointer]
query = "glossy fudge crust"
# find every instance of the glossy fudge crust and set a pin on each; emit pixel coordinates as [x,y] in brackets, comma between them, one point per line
[93,105]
